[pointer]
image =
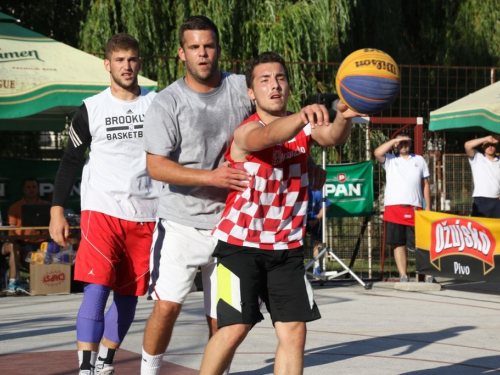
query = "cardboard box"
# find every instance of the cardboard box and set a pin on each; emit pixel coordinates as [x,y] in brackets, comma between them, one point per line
[50,279]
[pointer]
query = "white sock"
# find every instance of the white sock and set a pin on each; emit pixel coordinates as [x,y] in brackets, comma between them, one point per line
[12,281]
[93,356]
[103,355]
[316,264]
[150,364]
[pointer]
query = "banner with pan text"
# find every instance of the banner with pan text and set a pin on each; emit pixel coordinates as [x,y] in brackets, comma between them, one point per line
[14,171]
[349,188]
[457,246]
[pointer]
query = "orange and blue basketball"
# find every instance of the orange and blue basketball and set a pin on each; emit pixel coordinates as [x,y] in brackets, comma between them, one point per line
[368,81]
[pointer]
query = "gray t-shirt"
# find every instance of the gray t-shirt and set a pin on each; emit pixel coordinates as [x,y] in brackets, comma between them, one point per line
[194,129]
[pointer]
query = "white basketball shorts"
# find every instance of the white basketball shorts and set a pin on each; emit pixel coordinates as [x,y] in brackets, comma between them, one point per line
[176,254]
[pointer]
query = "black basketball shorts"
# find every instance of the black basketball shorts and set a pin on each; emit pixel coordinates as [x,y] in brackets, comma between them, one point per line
[400,235]
[277,277]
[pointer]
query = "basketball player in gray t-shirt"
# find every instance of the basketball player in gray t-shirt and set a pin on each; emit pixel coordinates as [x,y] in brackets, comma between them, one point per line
[189,127]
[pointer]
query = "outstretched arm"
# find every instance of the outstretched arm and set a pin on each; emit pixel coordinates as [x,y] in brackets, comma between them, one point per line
[253,136]
[339,130]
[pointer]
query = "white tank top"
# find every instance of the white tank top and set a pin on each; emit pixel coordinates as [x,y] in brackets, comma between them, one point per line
[114,179]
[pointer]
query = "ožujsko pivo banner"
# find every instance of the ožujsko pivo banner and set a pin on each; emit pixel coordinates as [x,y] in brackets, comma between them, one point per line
[349,188]
[457,246]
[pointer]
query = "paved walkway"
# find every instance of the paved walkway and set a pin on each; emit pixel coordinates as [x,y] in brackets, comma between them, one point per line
[380,331]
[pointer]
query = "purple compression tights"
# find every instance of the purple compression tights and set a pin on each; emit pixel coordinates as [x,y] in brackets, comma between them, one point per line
[91,323]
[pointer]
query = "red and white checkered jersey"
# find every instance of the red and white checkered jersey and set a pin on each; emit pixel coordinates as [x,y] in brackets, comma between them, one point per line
[271,213]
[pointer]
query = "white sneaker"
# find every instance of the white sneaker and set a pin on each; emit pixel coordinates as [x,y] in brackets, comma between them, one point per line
[106,370]
[86,372]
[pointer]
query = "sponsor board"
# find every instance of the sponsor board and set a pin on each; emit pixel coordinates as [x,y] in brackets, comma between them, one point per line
[13,172]
[349,188]
[457,246]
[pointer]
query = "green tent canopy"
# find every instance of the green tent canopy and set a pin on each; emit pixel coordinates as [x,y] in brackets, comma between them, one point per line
[477,112]
[42,81]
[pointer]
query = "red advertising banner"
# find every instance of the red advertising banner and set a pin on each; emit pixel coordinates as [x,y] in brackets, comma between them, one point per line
[457,246]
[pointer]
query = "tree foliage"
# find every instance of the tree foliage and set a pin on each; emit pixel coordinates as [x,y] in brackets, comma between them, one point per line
[299,30]
[429,32]
[475,34]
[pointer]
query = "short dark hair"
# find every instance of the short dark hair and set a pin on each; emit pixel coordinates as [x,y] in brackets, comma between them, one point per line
[121,42]
[198,23]
[29,179]
[404,133]
[263,58]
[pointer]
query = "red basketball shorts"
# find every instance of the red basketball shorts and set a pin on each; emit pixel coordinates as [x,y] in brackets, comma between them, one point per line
[114,252]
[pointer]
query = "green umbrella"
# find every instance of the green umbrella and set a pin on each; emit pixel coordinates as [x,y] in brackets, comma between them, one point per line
[42,81]
[477,112]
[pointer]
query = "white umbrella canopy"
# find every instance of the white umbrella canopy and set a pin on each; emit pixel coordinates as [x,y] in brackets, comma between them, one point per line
[476,112]
[42,81]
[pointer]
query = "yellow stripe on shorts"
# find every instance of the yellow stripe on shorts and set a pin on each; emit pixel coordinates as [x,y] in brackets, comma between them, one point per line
[228,287]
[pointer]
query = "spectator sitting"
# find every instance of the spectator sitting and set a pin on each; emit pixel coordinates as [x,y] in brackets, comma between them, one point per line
[20,248]
[9,249]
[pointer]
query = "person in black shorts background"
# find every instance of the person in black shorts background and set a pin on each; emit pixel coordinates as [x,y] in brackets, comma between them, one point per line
[407,188]
[486,174]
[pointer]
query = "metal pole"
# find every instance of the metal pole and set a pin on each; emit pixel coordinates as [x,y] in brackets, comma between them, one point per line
[369,228]
[323,220]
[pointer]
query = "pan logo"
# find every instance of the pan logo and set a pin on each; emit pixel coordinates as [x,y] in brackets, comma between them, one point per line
[19,56]
[345,187]
[344,190]
[47,187]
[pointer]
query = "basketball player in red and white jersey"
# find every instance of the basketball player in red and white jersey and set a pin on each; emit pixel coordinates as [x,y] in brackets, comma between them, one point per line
[260,233]
[119,202]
